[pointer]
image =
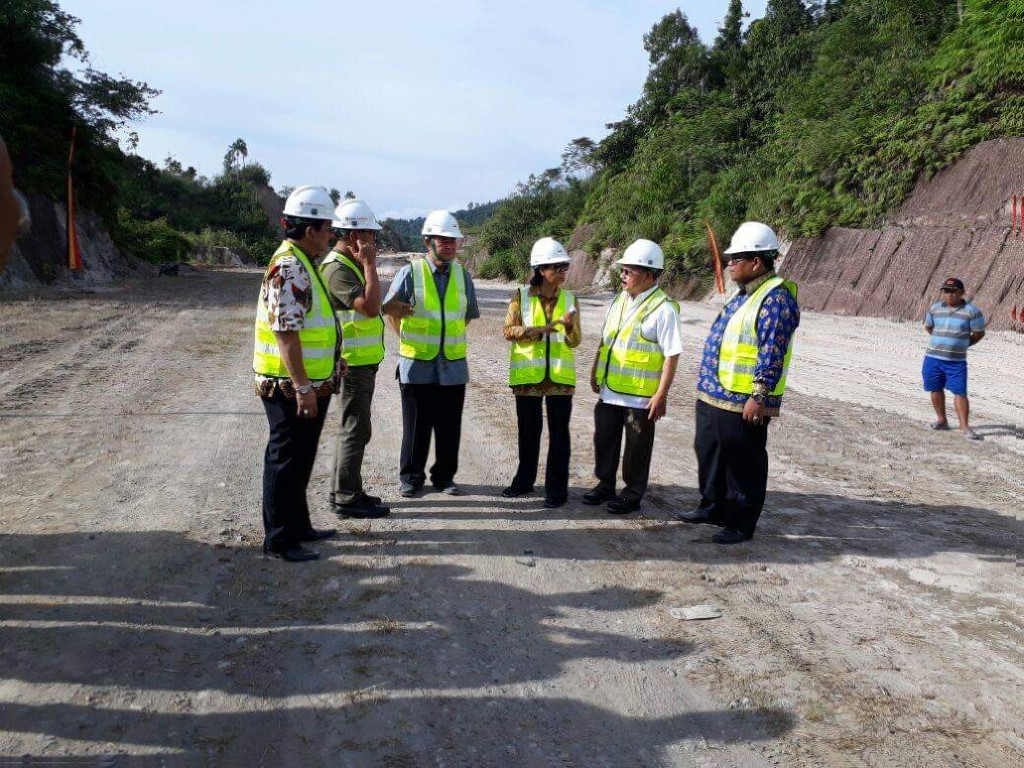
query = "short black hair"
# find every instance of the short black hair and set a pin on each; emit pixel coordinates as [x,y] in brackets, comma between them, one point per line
[768,259]
[295,226]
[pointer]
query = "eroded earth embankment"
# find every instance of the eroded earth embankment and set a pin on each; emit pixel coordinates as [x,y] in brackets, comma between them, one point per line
[959,223]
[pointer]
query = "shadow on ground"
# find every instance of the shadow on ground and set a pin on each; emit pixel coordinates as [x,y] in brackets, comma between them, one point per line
[344,656]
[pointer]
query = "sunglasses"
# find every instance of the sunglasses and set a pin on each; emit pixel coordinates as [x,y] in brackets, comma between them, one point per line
[558,267]
[738,259]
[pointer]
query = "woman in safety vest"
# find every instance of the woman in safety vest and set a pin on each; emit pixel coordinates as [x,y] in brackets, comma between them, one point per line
[543,325]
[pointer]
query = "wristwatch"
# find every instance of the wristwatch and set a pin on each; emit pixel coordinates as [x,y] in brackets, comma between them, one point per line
[304,389]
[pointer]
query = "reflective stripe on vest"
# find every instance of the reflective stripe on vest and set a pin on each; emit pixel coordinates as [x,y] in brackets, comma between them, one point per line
[433,324]
[531,360]
[318,335]
[627,362]
[362,337]
[738,356]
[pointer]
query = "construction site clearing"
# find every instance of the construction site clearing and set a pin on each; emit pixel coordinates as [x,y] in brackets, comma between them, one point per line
[874,620]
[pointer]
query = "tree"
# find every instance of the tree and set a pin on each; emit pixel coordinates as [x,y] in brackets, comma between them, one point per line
[578,157]
[678,59]
[235,157]
[778,47]
[335,195]
[43,99]
[350,195]
[727,51]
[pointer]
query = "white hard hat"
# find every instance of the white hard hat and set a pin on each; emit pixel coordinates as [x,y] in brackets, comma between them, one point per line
[751,237]
[309,202]
[354,214]
[441,224]
[644,253]
[546,251]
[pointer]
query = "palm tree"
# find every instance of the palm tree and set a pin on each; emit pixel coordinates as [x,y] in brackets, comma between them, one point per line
[237,149]
[240,149]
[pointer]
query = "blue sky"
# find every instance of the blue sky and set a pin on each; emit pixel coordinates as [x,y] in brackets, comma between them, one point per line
[412,105]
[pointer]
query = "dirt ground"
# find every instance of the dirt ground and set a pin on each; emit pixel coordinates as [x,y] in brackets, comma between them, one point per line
[875,620]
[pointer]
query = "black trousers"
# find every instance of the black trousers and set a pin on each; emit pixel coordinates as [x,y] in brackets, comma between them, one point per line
[610,421]
[732,466]
[287,467]
[530,416]
[431,409]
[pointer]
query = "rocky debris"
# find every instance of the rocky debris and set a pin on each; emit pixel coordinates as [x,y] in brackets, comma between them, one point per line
[224,257]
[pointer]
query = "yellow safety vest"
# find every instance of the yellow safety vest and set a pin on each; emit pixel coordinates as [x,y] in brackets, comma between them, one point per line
[532,360]
[628,363]
[318,335]
[434,325]
[738,356]
[362,337]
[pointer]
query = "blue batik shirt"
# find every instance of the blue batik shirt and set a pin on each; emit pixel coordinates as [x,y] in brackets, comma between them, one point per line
[776,322]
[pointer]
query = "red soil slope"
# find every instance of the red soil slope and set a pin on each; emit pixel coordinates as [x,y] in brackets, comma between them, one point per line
[958,223]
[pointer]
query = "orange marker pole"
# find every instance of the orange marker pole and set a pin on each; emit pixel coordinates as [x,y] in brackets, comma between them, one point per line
[717,257]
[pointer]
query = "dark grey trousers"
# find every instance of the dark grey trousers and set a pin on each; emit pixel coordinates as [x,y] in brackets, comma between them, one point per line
[610,421]
[356,399]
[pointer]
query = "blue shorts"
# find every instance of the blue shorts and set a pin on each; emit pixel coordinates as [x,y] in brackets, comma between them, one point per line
[944,374]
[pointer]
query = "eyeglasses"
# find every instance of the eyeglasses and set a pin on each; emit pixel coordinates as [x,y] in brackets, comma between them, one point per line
[738,259]
[559,267]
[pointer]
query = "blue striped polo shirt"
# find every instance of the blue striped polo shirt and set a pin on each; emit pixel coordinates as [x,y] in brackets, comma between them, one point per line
[951,329]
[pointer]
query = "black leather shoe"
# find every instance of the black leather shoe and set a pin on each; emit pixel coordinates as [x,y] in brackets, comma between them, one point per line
[730,536]
[295,554]
[598,495]
[698,515]
[514,490]
[374,499]
[622,506]
[553,503]
[319,534]
[364,508]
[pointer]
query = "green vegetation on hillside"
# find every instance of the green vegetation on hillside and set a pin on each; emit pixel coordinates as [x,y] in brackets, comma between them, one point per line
[157,214]
[818,114]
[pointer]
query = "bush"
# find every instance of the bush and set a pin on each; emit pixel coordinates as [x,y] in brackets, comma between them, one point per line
[152,241]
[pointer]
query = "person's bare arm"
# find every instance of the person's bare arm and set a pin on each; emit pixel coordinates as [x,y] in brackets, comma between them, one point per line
[9,207]
[976,337]
[659,400]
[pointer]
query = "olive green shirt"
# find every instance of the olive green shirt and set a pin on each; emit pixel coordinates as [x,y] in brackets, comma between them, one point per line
[343,283]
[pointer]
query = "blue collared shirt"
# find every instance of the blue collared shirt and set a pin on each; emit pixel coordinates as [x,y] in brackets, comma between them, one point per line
[440,370]
[776,322]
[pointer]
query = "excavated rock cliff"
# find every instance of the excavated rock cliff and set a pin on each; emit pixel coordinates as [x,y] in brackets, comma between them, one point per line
[955,224]
[40,257]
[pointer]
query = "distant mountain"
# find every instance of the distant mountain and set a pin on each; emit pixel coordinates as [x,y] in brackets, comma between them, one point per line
[404,234]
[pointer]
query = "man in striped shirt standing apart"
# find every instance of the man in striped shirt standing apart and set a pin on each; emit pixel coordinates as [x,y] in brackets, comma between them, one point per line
[954,325]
